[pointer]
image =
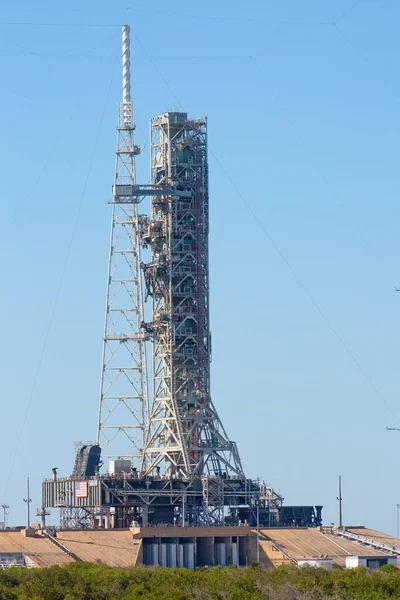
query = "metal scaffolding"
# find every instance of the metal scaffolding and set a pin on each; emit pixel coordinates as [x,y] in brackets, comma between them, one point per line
[185,434]
[182,466]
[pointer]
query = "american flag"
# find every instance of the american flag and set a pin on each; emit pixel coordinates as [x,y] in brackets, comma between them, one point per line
[81,489]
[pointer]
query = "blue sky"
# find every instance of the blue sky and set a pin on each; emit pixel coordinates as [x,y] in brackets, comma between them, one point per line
[304,138]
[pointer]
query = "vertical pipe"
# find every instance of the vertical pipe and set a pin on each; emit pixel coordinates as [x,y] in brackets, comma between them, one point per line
[398,520]
[258,533]
[340,502]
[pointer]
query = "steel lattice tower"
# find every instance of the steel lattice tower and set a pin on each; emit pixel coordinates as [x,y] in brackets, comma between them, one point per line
[183,467]
[123,396]
[184,430]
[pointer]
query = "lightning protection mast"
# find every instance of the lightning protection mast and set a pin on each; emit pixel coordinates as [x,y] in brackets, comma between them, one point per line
[123,395]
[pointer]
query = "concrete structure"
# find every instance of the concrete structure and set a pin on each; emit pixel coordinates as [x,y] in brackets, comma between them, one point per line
[188,547]
[289,545]
[370,562]
[191,547]
[36,549]
[117,548]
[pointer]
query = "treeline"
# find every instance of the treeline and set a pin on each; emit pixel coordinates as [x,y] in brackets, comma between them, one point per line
[88,581]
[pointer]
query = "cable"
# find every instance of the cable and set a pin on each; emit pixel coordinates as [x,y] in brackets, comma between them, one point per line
[156,68]
[321,172]
[17,209]
[48,55]
[288,265]
[64,269]
[305,290]
[232,19]
[31,24]
[186,15]
[15,217]
[364,58]
[346,12]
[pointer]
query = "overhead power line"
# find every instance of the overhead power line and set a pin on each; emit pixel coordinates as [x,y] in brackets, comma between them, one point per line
[60,284]
[282,256]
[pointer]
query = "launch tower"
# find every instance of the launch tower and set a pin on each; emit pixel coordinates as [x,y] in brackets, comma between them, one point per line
[171,459]
[184,431]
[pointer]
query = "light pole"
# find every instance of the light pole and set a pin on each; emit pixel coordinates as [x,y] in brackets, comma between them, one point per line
[28,500]
[5,513]
[340,503]
[398,519]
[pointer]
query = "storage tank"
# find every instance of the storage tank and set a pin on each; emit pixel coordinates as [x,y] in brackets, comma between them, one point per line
[155,554]
[188,556]
[171,554]
[180,555]
[235,560]
[164,555]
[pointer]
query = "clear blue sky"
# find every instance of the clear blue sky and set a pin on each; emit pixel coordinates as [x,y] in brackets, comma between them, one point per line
[304,119]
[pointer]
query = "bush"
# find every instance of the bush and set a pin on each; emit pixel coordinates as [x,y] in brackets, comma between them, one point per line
[91,581]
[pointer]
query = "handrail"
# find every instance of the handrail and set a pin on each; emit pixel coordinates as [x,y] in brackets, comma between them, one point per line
[62,547]
[363,539]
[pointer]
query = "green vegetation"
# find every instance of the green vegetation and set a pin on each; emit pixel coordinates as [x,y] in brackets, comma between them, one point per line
[88,581]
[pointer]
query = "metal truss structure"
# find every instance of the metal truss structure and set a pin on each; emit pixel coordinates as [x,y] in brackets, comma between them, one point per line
[184,469]
[119,500]
[123,396]
[76,518]
[184,433]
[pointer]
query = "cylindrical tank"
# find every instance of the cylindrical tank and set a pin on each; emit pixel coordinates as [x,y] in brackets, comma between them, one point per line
[235,561]
[171,555]
[188,556]
[164,555]
[220,554]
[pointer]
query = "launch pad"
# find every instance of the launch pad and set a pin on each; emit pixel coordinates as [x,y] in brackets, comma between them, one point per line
[171,458]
